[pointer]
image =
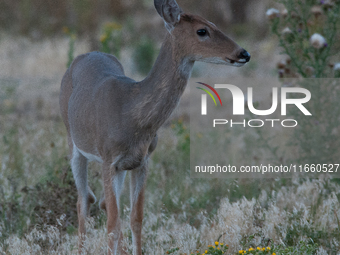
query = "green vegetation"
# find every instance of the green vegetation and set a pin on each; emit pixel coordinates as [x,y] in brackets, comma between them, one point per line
[111,39]
[307,32]
[72,39]
[144,55]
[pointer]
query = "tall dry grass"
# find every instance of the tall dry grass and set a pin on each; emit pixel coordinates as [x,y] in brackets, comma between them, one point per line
[312,204]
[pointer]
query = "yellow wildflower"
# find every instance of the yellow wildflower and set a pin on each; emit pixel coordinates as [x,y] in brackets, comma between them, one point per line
[206,252]
[240,251]
[221,244]
[117,26]
[216,243]
[258,248]
[250,249]
[66,30]
[273,253]
[103,38]
[113,26]
[268,248]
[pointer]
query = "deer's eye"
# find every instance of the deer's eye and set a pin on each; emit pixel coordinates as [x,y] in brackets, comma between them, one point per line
[201,32]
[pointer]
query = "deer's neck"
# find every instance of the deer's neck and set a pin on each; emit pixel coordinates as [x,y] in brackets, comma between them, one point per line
[163,87]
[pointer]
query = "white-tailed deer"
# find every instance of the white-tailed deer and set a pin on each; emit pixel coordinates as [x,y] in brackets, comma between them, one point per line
[113,119]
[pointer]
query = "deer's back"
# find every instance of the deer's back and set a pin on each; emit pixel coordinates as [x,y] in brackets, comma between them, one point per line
[91,68]
[97,101]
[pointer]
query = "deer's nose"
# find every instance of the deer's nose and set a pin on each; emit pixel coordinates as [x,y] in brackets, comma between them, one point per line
[244,55]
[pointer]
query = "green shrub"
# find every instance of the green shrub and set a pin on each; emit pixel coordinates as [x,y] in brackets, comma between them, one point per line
[111,39]
[71,45]
[307,32]
[144,55]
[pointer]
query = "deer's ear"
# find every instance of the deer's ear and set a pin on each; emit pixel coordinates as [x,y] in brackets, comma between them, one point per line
[169,11]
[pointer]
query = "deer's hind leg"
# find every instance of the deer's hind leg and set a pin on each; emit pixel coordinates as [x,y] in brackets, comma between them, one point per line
[85,195]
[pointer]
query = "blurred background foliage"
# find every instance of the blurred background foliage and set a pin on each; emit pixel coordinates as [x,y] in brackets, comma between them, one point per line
[40,18]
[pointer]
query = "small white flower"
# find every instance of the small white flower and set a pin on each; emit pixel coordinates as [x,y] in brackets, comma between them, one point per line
[281,64]
[286,31]
[337,66]
[327,3]
[316,10]
[318,41]
[272,13]
[284,13]
[310,70]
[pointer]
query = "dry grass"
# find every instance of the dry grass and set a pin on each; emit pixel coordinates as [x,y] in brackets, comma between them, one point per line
[265,218]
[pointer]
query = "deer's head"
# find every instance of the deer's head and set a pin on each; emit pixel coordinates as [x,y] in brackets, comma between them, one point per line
[200,39]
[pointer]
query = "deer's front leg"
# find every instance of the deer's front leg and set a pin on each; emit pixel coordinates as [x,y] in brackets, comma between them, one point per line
[113,183]
[85,195]
[137,185]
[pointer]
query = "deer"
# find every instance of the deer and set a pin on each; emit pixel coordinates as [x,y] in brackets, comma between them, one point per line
[113,119]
